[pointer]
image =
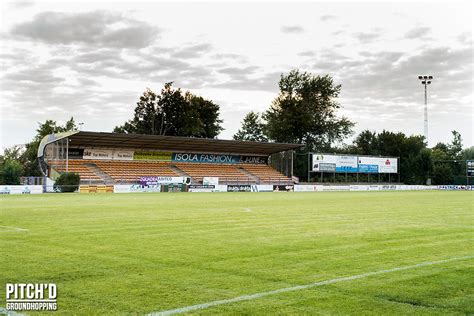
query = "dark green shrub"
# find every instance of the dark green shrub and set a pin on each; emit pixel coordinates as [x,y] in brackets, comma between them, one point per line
[67,182]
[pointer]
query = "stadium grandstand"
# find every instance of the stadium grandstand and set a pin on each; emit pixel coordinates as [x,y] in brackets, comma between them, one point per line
[112,158]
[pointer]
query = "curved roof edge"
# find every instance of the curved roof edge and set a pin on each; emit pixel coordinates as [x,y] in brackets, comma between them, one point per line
[51,138]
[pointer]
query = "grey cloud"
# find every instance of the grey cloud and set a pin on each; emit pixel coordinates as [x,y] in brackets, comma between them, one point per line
[238,71]
[417,32]
[367,37]
[95,28]
[327,17]
[307,53]
[267,82]
[193,51]
[292,29]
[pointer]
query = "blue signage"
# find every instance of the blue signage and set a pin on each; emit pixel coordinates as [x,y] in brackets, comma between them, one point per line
[205,158]
[368,168]
[346,169]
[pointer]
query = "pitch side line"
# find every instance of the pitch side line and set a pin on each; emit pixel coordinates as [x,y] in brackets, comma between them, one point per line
[4,229]
[300,287]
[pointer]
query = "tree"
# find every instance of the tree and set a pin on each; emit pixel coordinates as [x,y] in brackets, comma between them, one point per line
[173,113]
[455,147]
[252,128]
[305,112]
[366,143]
[12,170]
[208,113]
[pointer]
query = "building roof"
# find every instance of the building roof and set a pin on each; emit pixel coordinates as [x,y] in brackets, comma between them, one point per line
[82,139]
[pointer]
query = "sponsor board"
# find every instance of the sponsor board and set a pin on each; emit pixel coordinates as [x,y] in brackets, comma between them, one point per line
[205,158]
[202,188]
[470,168]
[456,187]
[369,164]
[254,160]
[21,189]
[262,188]
[388,165]
[130,188]
[75,153]
[283,188]
[90,153]
[123,155]
[239,188]
[334,163]
[306,188]
[152,155]
[152,180]
[210,180]
[352,164]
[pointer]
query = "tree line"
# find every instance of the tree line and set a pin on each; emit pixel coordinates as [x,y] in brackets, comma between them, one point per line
[305,111]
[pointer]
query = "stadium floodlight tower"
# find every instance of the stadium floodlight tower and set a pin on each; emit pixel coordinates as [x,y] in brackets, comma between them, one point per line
[426,80]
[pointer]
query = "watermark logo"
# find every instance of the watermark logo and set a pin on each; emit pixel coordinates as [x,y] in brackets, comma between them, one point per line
[31,296]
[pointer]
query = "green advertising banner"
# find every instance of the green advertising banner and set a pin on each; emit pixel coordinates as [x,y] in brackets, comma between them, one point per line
[152,155]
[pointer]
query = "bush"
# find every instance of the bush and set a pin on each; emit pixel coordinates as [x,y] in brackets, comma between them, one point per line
[67,182]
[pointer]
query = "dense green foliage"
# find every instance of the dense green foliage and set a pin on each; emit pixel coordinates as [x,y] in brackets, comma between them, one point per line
[138,253]
[252,128]
[10,171]
[67,182]
[304,112]
[173,113]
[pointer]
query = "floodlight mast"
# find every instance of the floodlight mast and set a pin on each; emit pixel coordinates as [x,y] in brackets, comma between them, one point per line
[426,80]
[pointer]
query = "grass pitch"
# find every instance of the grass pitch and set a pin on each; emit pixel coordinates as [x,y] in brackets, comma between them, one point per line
[139,253]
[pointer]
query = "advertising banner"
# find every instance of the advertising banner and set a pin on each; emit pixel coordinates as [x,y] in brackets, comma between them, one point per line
[130,188]
[104,154]
[470,168]
[21,189]
[284,188]
[352,164]
[210,180]
[123,155]
[201,188]
[369,164]
[161,180]
[152,155]
[388,165]
[262,188]
[239,188]
[334,163]
[75,153]
[205,158]
[254,160]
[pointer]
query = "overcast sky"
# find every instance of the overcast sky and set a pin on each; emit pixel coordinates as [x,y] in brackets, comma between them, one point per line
[92,60]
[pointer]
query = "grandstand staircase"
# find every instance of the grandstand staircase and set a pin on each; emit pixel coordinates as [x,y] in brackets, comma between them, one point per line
[181,173]
[250,175]
[101,174]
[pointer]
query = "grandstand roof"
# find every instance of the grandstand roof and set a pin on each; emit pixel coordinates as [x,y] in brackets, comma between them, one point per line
[174,143]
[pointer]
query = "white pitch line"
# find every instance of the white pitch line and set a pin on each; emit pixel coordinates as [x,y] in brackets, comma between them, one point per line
[11,229]
[299,287]
[4,311]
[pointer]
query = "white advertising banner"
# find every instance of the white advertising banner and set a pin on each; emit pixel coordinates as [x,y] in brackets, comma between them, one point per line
[90,153]
[21,189]
[262,188]
[334,163]
[210,180]
[388,165]
[123,155]
[130,188]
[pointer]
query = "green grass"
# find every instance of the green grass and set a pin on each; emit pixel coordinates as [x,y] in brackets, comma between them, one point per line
[138,253]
